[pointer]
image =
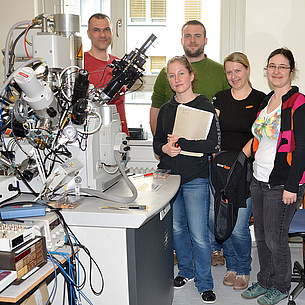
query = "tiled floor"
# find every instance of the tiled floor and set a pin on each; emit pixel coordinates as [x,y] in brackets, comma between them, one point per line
[227,295]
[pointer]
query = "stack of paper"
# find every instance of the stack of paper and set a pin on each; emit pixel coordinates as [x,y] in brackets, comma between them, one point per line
[192,124]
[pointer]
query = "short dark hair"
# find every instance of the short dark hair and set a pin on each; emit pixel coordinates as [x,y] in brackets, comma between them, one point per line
[286,53]
[98,16]
[194,22]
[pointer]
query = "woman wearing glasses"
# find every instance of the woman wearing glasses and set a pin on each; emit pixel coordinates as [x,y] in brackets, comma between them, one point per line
[278,174]
[191,203]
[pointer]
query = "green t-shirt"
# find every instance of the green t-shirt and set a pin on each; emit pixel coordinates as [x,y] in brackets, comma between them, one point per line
[210,78]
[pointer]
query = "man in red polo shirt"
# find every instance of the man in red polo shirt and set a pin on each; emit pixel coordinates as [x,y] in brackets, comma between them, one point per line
[97,58]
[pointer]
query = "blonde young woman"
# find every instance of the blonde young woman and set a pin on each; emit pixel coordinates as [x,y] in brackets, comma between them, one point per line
[237,109]
[191,203]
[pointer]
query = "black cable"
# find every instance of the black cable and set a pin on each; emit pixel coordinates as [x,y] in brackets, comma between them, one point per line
[80,144]
[42,163]
[65,227]
[4,127]
[97,293]
[16,169]
[96,86]
[24,181]
[56,155]
[73,258]
[12,51]
[63,114]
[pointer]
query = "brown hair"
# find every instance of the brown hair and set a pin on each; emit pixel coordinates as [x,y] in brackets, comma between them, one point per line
[184,61]
[286,53]
[98,16]
[194,22]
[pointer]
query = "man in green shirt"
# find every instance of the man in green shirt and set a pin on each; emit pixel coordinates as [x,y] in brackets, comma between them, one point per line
[210,76]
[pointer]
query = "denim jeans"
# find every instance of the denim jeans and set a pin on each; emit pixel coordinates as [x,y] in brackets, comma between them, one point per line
[190,230]
[271,225]
[237,248]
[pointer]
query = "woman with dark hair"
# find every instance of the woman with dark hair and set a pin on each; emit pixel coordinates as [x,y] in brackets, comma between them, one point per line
[192,201]
[237,108]
[278,176]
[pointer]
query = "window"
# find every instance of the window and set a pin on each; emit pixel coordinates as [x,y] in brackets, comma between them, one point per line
[137,9]
[157,63]
[158,10]
[85,9]
[192,10]
[141,18]
[147,11]
[165,19]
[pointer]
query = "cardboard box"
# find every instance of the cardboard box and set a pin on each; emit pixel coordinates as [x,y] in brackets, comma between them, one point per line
[39,297]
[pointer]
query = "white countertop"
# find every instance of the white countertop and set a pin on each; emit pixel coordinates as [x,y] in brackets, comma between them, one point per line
[154,193]
[147,142]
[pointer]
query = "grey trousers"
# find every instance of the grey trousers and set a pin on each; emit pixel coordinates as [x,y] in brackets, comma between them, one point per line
[271,225]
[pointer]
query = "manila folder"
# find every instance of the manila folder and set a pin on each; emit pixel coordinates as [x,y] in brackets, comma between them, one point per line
[191,123]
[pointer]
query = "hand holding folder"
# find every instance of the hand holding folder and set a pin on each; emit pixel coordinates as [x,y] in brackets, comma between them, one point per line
[192,124]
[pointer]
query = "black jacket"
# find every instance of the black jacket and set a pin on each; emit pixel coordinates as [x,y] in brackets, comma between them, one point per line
[188,167]
[231,177]
[291,140]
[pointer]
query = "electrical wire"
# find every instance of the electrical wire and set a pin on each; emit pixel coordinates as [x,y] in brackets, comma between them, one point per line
[95,129]
[12,51]
[55,278]
[113,198]
[66,77]
[92,262]
[8,43]
[12,163]
[96,86]
[25,40]
[72,274]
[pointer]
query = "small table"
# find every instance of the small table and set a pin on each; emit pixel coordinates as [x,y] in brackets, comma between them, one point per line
[16,294]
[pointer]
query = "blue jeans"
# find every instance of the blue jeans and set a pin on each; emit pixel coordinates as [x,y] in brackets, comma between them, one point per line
[190,230]
[237,248]
[271,225]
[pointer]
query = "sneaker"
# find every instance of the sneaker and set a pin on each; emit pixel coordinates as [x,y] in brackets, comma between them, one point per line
[208,297]
[229,278]
[241,282]
[217,258]
[180,281]
[253,291]
[273,296]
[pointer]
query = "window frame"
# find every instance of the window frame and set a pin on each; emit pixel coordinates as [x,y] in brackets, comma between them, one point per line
[232,31]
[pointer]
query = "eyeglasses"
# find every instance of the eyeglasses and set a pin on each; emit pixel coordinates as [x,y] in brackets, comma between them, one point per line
[280,68]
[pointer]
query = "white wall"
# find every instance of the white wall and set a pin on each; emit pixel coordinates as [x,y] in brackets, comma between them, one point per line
[270,25]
